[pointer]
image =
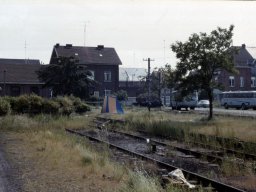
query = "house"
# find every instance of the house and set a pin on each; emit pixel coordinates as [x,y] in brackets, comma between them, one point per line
[18,76]
[102,62]
[245,63]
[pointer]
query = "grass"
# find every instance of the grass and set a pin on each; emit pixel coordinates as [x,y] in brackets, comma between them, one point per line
[49,159]
[58,161]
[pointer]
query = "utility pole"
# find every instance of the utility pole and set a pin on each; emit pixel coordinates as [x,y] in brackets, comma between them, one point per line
[149,82]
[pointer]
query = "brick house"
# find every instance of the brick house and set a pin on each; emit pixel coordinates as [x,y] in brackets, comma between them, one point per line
[245,63]
[102,62]
[18,76]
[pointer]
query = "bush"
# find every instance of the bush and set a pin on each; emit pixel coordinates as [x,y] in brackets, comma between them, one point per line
[94,98]
[82,108]
[121,95]
[35,104]
[154,100]
[66,105]
[22,104]
[5,107]
[79,105]
[50,106]
[11,100]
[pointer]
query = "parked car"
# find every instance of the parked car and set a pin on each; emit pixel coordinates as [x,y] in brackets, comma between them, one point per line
[203,103]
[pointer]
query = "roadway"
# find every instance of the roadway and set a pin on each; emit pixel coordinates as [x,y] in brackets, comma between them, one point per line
[231,112]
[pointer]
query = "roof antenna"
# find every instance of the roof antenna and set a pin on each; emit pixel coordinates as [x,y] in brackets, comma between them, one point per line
[25,52]
[86,22]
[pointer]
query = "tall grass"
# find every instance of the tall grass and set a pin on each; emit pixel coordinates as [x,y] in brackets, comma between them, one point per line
[54,152]
[139,182]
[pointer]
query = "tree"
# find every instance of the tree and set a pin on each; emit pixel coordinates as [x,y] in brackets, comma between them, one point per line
[200,58]
[121,95]
[66,77]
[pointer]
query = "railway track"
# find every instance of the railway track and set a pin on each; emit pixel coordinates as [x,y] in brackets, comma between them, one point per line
[220,140]
[201,180]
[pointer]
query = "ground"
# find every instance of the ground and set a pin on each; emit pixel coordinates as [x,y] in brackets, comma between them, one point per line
[30,169]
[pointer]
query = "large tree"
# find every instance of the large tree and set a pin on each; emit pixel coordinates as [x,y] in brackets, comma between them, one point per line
[200,58]
[66,77]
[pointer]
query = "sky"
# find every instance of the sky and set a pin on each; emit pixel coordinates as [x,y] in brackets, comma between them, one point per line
[137,29]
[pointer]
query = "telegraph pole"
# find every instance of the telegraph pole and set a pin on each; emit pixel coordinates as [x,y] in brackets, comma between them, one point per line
[149,82]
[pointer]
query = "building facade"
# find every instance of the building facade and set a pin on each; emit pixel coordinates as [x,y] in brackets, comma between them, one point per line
[245,63]
[102,62]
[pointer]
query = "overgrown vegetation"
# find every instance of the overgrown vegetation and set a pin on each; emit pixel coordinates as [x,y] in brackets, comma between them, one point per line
[55,156]
[34,104]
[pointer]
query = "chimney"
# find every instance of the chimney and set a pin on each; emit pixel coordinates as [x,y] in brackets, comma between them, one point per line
[243,46]
[68,46]
[100,47]
[57,45]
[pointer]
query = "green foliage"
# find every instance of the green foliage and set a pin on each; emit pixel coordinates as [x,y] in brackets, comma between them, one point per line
[22,104]
[94,98]
[66,77]
[11,100]
[35,104]
[50,106]
[200,58]
[5,107]
[82,108]
[121,95]
[139,182]
[168,76]
[66,105]
[79,106]
[142,100]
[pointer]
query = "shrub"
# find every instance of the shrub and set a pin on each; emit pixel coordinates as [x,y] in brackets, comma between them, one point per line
[11,100]
[5,107]
[22,104]
[94,98]
[50,106]
[121,95]
[66,105]
[79,105]
[35,104]
[82,108]
[155,101]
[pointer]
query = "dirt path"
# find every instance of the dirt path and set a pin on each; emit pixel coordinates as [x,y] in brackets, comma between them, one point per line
[5,184]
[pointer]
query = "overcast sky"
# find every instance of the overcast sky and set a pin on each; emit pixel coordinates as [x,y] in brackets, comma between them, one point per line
[137,29]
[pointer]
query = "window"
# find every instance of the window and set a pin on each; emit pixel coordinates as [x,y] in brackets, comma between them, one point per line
[253,83]
[231,81]
[107,76]
[92,76]
[107,92]
[241,81]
